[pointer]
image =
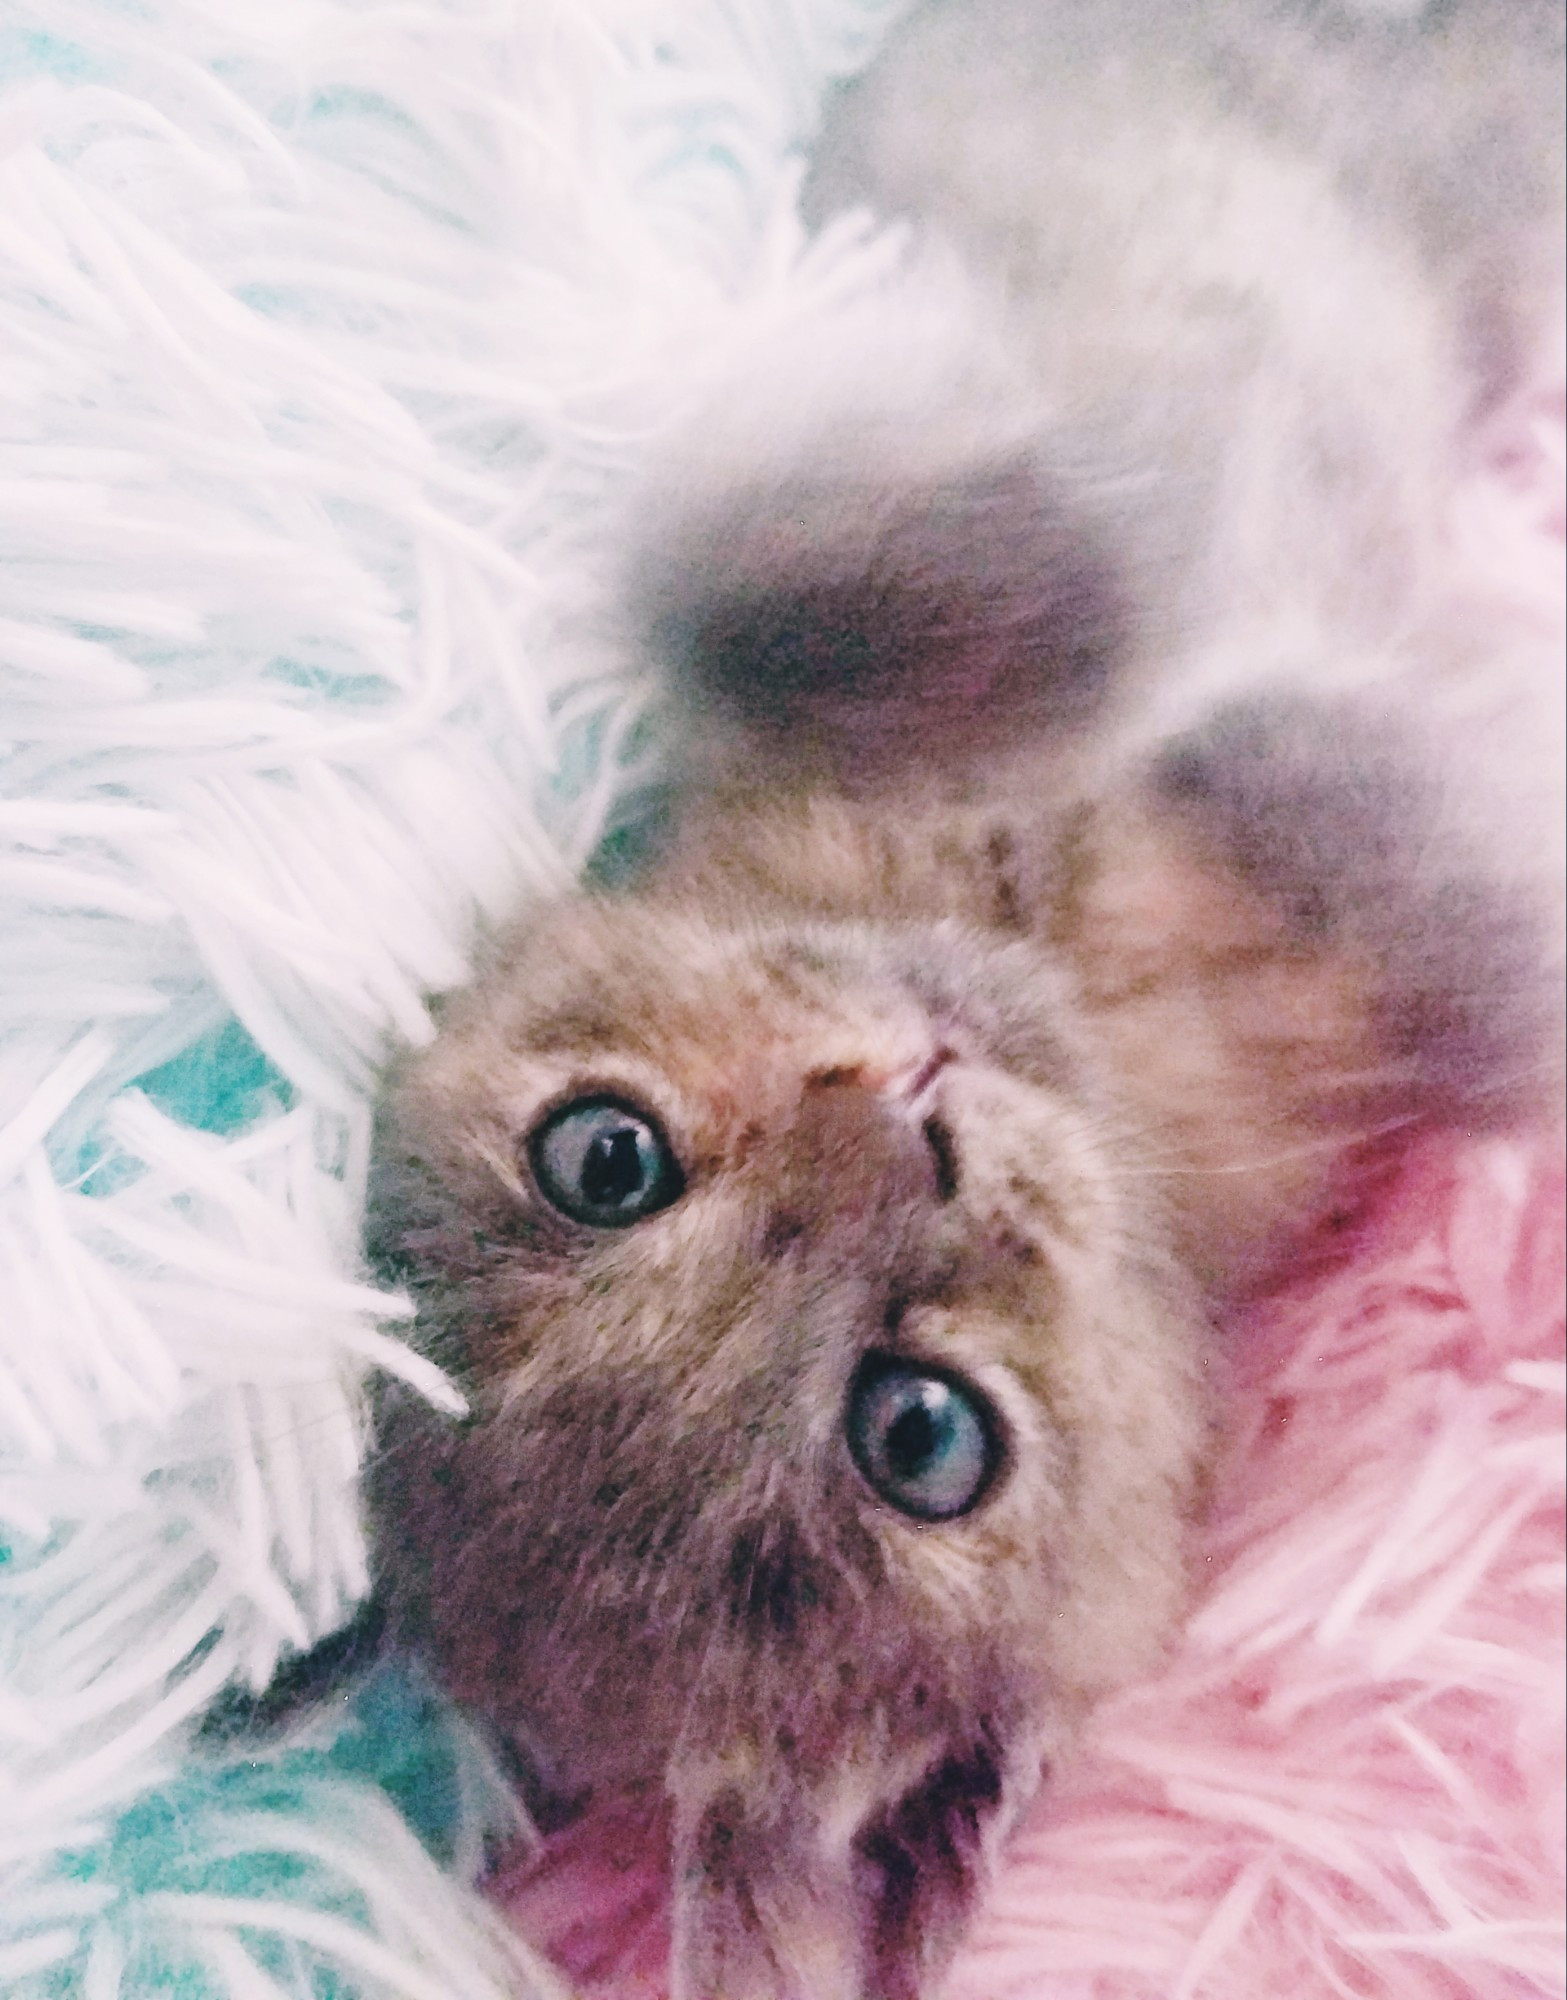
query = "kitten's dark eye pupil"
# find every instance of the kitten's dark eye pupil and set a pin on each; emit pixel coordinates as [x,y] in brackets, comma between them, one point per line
[612,1168]
[604,1163]
[923,1438]
[911,1442]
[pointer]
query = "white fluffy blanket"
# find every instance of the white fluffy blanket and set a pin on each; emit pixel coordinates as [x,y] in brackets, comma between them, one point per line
[326,329]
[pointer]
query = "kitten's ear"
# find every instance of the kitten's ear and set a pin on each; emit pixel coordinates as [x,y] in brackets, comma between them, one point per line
[857,1888]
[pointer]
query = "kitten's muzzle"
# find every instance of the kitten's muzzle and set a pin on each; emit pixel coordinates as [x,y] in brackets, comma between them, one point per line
[868,1139]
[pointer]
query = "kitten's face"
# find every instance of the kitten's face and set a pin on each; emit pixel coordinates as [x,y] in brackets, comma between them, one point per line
[834,1418]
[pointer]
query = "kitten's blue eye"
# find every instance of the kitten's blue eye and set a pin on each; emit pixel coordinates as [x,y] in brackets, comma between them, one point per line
[922,1439]
[604,1163]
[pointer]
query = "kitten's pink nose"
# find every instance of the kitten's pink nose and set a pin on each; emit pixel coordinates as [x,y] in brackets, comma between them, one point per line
[905,1083]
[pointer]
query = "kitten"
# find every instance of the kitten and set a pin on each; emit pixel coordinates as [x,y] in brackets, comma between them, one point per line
[830,1229]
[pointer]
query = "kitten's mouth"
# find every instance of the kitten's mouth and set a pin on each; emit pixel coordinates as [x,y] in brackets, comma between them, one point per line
[937,1134]
[944,1157]
[920,1082]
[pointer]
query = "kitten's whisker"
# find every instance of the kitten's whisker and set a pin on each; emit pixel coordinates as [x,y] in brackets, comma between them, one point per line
[1545,1069]
[1338,1142]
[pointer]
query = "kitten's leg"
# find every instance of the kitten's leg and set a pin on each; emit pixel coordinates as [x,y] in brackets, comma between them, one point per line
[1299,937]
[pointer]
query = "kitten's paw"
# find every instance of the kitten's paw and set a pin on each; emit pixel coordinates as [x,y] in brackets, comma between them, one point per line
[878,552]
[1299,940]
[865,621]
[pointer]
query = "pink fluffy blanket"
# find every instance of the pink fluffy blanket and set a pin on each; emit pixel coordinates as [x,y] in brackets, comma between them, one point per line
[1348,1781]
